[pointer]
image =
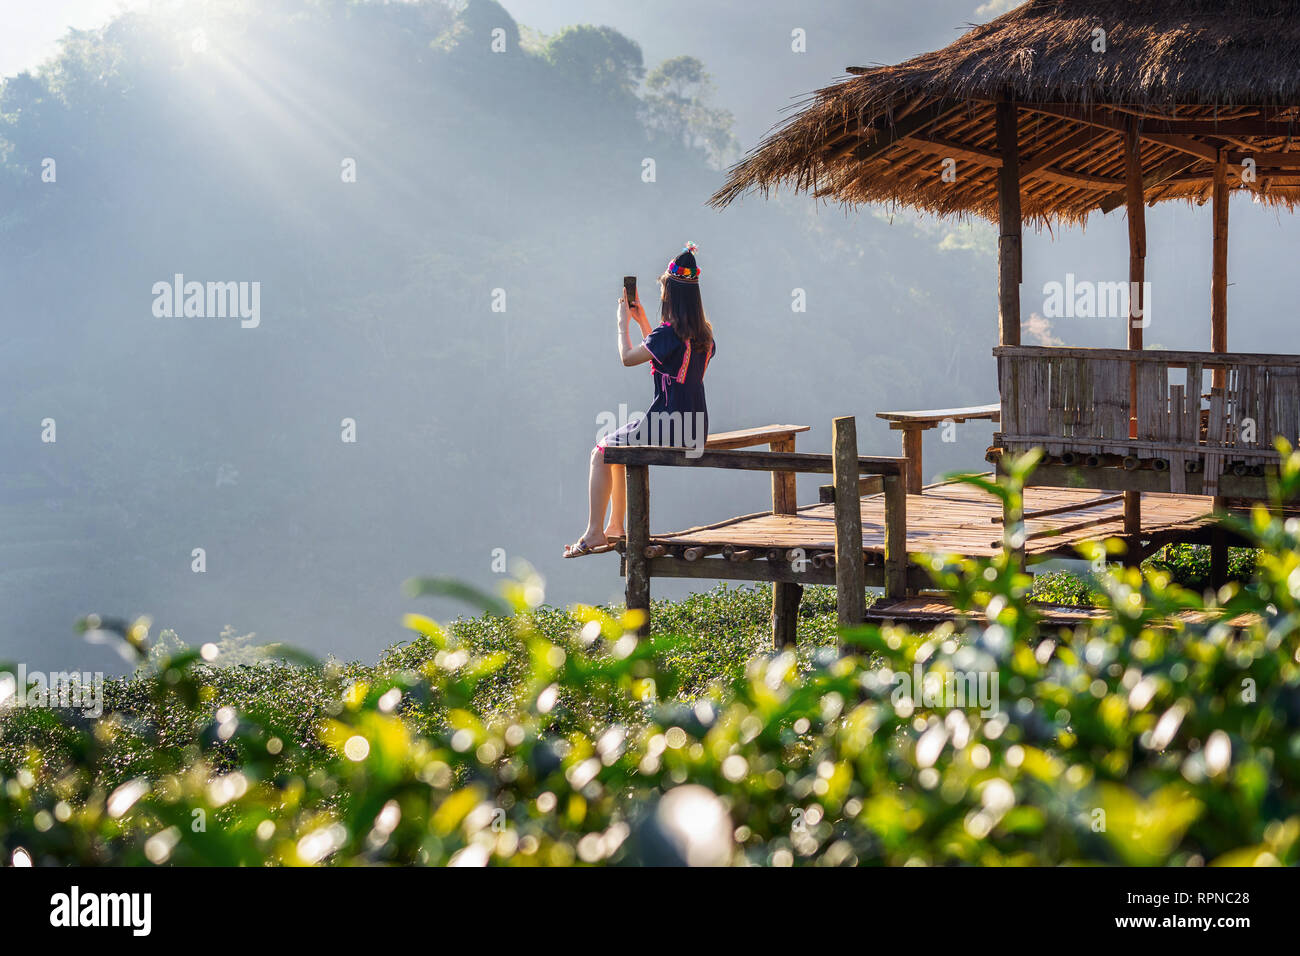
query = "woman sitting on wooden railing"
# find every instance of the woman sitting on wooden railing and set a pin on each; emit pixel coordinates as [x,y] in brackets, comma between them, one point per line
[678,351]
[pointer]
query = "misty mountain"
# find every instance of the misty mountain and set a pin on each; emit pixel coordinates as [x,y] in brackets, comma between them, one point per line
[436,206]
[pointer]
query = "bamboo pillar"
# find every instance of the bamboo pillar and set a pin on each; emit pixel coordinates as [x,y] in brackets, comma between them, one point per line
[1010,227]
[1219,320]
[785,596]
[1137,255]
[638,539]
[895,537]
[1219,273]
[850,576]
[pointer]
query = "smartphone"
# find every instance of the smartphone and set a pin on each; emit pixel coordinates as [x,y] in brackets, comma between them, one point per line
[629,286]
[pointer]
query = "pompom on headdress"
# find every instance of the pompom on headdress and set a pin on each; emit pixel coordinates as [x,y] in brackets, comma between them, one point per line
[684,268]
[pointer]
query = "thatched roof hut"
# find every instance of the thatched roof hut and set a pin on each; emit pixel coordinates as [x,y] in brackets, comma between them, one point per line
[1199,82]
[1048,113]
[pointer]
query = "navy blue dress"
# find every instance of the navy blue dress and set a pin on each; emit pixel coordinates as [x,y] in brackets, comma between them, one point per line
[679,414]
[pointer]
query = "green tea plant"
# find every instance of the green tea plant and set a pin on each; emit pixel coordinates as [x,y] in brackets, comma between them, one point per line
[1165,733]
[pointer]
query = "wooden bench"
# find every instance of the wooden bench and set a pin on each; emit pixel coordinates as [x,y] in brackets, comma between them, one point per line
[911,424]
[779,438]
[784,463]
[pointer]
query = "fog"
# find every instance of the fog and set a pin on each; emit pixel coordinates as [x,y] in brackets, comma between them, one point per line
[435,234]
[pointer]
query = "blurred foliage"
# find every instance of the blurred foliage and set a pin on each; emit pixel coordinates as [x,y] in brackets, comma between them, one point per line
[550,738]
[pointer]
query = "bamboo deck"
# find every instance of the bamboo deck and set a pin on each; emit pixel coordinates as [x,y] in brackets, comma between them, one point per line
[927,610]
[959,519]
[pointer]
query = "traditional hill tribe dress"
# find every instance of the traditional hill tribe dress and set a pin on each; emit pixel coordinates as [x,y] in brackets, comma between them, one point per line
[679,414]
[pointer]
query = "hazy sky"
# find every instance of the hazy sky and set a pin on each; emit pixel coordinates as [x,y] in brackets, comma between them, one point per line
[719,31]
[32,28]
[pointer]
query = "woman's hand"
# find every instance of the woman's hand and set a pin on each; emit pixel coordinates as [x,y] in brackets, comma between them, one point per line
[638,313]
[624,314]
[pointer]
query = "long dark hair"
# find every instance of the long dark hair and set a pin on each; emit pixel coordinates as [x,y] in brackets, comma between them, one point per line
[683,308]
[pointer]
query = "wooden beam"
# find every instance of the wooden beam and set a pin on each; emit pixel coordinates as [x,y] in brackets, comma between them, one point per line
[850,582]
[887,136]
[1137,254]
[987,159]
[1154,125]
[1174,358]
[867,485]
[1010,226]
[1162,173]
[1063,149]
[746,460]
[1069,509]
[638,538]
[1219,271]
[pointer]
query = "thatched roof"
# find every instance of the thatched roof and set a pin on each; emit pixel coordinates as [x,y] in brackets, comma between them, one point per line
[1196,76]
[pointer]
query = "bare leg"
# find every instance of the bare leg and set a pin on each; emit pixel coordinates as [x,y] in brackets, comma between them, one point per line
[617,501]
[599,485]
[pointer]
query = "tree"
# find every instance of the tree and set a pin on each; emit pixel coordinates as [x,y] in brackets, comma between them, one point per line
[607,62]
[677,106]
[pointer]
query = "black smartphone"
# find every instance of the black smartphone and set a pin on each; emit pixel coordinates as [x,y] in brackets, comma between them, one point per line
[629,286]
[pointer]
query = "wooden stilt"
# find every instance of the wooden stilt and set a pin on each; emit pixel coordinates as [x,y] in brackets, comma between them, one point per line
[638,539]
[785,613]
[850,577]
[1137,318]
[895,537]
[1218,559]
[785,596]
[1010,258]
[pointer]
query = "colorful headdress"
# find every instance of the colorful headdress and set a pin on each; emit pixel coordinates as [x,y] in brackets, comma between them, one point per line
[684,268]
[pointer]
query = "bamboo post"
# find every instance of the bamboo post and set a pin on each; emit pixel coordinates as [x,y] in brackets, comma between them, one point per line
[1218,558]
[785,596]
[850,578]
[1219,273]
[1137,254]
[895,537]
[912,444]
[1009,238]
[638,539]
[1009,225]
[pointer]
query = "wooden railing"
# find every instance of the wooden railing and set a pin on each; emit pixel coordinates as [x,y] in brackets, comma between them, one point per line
[1075,402]
[844,464]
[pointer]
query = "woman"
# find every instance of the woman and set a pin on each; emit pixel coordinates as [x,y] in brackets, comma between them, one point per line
[678,351]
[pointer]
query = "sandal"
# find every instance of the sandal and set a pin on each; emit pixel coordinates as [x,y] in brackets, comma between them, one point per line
[580,548]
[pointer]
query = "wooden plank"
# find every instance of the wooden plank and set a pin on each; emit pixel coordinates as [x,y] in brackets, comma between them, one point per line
[933,416]
[638,538]
[1170,357]
[849,579]
[867,485]
[750,437]
[1067,509]
[745,460]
